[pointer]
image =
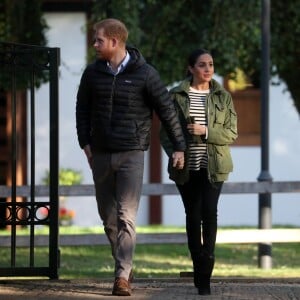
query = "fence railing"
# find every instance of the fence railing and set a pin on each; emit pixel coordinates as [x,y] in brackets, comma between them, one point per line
[224,236]
[164,189]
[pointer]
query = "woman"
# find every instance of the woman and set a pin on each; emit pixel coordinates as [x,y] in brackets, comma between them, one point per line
[209,122]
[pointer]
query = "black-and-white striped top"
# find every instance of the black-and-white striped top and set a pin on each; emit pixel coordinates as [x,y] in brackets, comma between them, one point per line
[198,152]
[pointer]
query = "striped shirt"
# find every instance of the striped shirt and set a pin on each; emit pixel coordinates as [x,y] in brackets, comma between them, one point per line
[198,152]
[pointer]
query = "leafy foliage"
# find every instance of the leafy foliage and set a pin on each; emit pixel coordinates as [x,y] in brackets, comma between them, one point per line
[166,32]
[66,176]
[21,23]
[285,45]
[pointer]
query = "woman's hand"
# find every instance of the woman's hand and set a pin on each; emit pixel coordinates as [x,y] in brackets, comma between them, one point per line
[196,129]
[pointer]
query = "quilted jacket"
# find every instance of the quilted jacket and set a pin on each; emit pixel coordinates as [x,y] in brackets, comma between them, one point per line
[114,112]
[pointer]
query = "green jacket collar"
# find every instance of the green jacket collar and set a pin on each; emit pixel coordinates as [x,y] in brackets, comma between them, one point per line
[184,86]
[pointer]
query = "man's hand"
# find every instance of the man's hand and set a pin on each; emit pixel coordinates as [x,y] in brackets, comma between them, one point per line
[178,160]
[88,153]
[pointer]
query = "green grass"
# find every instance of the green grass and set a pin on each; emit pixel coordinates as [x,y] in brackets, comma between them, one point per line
[96,229]
[157,261]
[153,261]
[140,229]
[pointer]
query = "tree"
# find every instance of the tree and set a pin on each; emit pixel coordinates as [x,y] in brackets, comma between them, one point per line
[166,32]
[236,30]
[285,45]
[21,22]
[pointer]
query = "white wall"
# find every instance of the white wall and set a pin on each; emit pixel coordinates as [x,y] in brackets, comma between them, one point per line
[67,33]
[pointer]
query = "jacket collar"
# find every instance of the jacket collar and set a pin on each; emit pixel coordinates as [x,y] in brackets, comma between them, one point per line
[184,86]
[136,60]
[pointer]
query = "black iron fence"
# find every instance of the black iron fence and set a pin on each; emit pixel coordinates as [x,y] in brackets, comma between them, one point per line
[23,68]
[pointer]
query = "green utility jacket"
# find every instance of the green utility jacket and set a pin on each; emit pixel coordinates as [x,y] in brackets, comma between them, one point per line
[222,131]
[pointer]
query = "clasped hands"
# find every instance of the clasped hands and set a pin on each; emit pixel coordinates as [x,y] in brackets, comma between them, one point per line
[178,159]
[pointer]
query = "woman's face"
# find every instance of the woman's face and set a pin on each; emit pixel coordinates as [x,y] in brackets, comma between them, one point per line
[203,69]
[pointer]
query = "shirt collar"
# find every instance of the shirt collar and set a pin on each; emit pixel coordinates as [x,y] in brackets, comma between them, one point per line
[122,64]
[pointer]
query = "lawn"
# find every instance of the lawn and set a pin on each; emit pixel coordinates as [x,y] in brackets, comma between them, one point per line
[167,260]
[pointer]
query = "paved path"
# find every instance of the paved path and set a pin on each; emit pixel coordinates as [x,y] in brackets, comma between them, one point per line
[150,289]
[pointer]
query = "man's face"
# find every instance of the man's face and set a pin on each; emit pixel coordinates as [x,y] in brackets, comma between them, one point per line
[103,45]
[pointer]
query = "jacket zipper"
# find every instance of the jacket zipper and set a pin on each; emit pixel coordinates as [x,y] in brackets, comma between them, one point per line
[112,94]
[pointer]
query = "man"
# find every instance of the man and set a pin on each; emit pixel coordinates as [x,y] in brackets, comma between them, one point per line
[115,101]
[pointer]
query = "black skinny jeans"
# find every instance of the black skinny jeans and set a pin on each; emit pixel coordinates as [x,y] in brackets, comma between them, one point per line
[200,199]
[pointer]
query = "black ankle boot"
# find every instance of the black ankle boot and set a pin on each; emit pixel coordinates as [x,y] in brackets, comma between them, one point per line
[203,267]
[197,271]
[204,291]
[204,285]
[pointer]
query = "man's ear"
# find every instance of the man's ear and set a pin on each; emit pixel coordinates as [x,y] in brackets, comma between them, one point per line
[114,42]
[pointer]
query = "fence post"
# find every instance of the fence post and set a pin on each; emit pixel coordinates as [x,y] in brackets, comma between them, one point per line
[54,57]
[265,210]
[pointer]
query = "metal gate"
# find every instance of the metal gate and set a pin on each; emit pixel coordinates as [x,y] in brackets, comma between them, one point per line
[24,67]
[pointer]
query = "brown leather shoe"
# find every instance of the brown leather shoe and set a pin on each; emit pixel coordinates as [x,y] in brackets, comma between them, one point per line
[121,287]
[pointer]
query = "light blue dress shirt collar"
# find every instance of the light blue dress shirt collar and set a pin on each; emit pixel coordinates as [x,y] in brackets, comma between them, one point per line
[122,64]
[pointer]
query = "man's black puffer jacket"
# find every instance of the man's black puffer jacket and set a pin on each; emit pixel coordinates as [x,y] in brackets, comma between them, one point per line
[114,112]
